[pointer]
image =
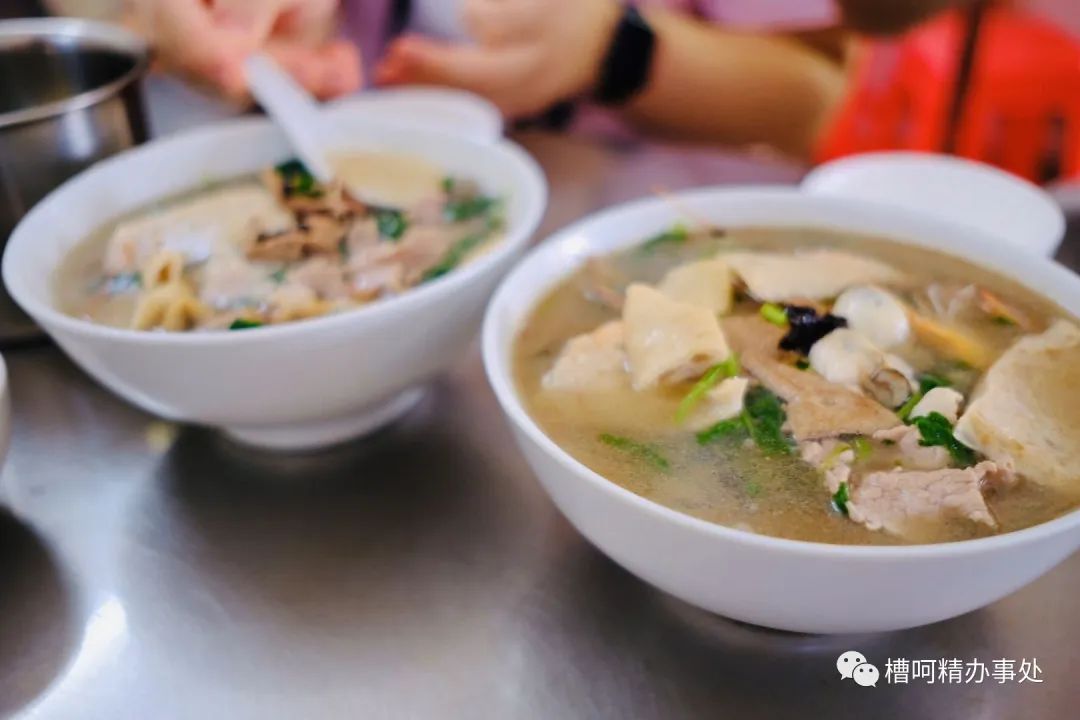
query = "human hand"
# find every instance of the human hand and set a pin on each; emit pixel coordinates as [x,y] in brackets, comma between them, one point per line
[208,41]
[528,54]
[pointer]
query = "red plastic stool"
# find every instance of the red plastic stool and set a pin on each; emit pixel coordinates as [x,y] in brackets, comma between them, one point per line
[1021,103]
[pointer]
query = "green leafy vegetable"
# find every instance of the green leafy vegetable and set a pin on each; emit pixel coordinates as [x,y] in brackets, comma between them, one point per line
[774,314]
[841,497]
[454,256]
[731,365]
[633,447]
[677,235]
[763,415]
[802,364]
[927,382]
[936,429]
[448,184]
[862,448]
[905,410]
[459,210]
[730,428]
[242,324]
[391,223]
[726,369]
[297,180]
[278,276]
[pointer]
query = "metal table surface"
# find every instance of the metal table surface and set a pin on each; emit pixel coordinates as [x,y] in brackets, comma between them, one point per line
[154,572]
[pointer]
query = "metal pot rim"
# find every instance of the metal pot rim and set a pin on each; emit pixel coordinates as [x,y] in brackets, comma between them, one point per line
[100,34]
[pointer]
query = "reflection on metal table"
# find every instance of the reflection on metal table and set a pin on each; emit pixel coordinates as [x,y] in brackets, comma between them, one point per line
[154,572]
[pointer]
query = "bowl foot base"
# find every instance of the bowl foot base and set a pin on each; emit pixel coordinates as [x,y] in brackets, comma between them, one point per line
[322,433]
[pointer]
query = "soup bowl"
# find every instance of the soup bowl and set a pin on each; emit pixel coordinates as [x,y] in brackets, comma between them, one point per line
[290,386]
[779,583]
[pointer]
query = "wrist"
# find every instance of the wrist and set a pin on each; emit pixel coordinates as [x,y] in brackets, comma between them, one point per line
[626,66]
[602,23]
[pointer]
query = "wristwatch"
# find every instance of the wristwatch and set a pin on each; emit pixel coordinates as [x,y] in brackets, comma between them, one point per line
[624,71]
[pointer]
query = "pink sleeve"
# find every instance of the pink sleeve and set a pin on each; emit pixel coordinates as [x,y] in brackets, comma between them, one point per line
[762,14]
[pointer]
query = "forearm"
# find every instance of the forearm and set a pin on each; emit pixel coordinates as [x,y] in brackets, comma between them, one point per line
[711,84]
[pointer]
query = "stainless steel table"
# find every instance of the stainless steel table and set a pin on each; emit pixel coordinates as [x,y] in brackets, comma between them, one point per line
[154,572]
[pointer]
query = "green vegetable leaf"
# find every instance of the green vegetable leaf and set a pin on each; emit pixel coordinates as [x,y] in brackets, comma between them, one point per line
[242,324]
[278,276]
[297,179]
[763,415]
[774,314]
[454,256]
[802,364]
[841,497]
[929,381]
[936,429]
[862,448]
[391,223]
[730,428]
[469,208]
[448,184]
[905,410]
[677,235]
[726,369]
[641,450]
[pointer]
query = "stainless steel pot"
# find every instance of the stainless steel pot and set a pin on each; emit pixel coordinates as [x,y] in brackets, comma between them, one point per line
[69,95]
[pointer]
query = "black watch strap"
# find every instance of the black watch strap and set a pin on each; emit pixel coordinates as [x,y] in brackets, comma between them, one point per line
[625,69]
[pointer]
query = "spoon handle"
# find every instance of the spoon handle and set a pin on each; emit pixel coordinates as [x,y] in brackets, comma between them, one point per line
[292,109]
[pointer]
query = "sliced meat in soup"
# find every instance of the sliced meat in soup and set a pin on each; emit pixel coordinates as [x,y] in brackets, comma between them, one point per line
[812,385]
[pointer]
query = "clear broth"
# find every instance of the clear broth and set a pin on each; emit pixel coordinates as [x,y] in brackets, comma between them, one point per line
[727,483]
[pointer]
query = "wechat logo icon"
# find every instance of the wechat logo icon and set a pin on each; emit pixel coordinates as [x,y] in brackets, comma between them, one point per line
[853,665]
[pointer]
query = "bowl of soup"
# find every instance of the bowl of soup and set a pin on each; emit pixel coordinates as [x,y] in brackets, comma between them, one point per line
[804,412]
[208,278]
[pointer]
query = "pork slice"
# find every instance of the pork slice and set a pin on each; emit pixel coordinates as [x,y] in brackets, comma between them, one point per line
[375,280]
[323,275]
[1025,410]
[228,280]
[816,408]
[362,235]
[591,361]
[669,341]
[811,274]
[898,501]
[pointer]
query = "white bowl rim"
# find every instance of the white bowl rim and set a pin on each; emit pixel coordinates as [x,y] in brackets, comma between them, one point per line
[507,394]
[514,237]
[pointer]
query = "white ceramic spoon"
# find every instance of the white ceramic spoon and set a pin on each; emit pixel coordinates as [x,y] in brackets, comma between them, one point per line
[398,182]
[293,110]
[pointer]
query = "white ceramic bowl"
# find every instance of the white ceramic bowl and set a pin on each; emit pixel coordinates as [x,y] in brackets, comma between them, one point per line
[965,192]
[298,385]
[778,583]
